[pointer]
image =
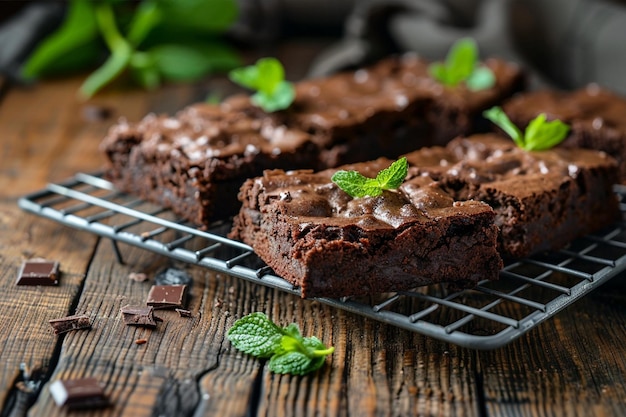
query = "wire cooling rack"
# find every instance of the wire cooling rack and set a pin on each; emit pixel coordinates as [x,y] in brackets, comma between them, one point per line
[489,316]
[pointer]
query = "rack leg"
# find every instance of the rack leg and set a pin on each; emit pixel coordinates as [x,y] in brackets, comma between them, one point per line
[116,249]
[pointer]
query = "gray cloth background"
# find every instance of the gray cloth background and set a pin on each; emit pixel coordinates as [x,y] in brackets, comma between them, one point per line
[564,43]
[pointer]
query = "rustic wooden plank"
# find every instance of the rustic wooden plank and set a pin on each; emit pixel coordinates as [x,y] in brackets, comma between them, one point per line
[28,341]
[571,365]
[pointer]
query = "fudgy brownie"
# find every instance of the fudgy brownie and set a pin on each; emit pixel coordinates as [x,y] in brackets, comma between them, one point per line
[329,244]
[196,161]
[542,199]
[596,117]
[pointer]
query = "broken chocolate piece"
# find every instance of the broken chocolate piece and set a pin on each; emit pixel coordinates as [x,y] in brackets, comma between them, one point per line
[78,393]
[69,323]
[183,313]
[166,296]
[38,272]
[138,316]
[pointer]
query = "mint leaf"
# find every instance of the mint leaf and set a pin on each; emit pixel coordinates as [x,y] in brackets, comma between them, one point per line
[539,134]
[291,362]
[461,60]
[200,16]
[356,185]
[391,178]
[499,117]
[256,335]
[481,79]
[460,66]
[266,77]
[289,352]
[192,61]
[74,41]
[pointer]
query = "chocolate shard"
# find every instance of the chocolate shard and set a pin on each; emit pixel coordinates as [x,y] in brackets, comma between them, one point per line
[38,272]
[138,316]
[78,393]
[166,296]
[69,323]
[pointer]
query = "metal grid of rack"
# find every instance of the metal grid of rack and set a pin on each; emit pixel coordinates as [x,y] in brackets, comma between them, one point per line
[488,316]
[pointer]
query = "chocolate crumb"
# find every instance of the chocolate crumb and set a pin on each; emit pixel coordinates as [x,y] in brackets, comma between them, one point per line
[92,113]
[183,313]
[138,276]
[69,323]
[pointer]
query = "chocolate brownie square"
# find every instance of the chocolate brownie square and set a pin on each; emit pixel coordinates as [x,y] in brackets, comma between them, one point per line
[329,244]
[542,199]
[595,115]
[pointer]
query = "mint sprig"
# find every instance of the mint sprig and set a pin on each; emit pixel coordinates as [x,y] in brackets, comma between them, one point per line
[461,66]
[153,41]
[357,185]
[539,135]
[267,78]
[289,352]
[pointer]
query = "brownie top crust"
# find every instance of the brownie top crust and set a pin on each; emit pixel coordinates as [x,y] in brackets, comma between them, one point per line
[201,132]
[490,158]
[591,107]
[391,85]
[310,199]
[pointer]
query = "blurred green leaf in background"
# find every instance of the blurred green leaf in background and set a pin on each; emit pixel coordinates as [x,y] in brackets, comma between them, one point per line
[152,41]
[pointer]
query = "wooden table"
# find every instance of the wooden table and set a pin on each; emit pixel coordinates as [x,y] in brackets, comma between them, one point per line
[572,365]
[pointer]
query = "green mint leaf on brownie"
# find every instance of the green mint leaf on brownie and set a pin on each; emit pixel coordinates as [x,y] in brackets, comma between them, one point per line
[461,65]
[267,78]
[288,350]
[357,185]
[539,135]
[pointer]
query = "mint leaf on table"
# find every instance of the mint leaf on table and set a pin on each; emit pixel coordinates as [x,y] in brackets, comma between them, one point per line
[289,352]
[267,78]
[357,185]
[461,66]
[539,135]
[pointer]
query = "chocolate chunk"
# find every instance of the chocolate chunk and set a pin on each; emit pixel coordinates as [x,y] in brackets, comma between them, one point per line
[183,313]
[69,323]
[78,393]
[138,276]
[166,296]
[38,272]
[172,276]
[138,316]
[93,113]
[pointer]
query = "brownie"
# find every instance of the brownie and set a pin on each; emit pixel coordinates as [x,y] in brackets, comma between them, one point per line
[195,161]
[542,199]
[329,244]
[596,117]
